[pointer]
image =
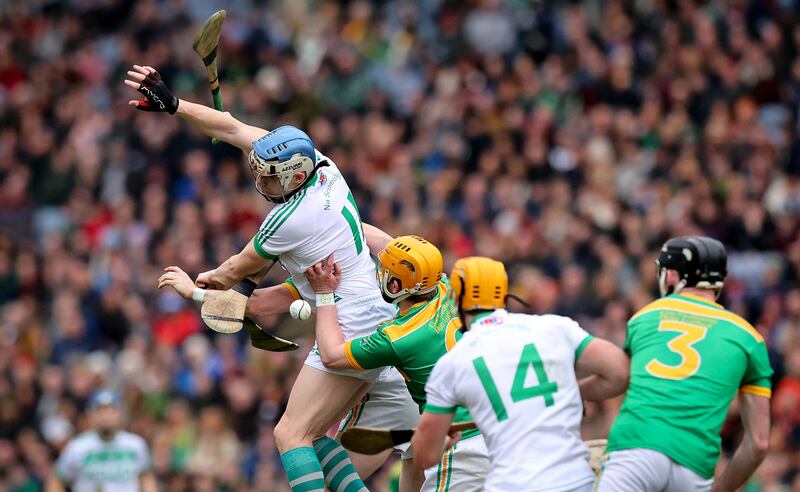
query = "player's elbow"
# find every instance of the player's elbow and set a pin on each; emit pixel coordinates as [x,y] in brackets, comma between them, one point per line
[760,445]
[331,361]
[425,461]
[617,373]
[620,378]
[424,455]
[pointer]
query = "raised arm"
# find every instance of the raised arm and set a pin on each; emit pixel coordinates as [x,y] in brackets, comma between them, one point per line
[754,446]
[609,370]
[220,125]
[376,239]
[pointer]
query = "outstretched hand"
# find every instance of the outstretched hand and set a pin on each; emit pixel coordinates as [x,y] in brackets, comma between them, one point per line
[157,97]
[177,279]
[324,276]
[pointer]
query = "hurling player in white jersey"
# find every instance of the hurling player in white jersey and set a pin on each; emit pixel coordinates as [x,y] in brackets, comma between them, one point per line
[516,375]
[106,458]
[315,214]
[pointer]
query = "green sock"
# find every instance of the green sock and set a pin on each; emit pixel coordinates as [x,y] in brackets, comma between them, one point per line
[303,470]
[340,474]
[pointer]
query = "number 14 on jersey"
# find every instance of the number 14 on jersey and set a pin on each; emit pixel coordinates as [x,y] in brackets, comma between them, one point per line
[519,392]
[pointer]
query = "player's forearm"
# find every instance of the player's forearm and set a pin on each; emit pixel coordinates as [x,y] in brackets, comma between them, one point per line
[220,125]
[598,388]
[755,444]
[428,442]
[744,462]
[247,263]
[330,340]
[213,123]
[376,239]
[267,302]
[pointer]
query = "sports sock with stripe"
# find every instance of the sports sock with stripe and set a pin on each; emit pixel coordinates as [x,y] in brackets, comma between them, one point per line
[340,474]
[303,470]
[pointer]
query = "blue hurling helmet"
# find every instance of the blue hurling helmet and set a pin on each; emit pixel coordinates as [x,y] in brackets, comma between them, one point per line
[279,155]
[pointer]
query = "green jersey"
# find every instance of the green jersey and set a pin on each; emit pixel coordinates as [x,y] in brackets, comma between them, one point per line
[413,342]
[689,357]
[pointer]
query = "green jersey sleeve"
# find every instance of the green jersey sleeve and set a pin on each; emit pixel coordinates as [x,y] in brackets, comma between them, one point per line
[372,351]
[757,377]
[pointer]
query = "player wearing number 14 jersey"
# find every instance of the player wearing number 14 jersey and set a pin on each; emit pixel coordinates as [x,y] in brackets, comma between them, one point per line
[515,373]
[689,358]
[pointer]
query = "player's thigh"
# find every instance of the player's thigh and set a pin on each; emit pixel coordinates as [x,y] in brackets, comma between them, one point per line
[317,401]
[634,470]
[463,467]
[386,405]
[367,464]
[682,479]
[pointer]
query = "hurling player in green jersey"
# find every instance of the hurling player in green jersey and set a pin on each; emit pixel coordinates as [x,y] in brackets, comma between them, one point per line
[427,327]
[689,358]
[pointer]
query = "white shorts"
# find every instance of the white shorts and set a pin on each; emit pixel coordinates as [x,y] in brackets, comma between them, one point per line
[645,470]
[357,318]
[387,405]
[463,468]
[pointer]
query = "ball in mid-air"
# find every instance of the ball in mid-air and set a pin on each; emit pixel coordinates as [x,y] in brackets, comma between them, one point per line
[300,309]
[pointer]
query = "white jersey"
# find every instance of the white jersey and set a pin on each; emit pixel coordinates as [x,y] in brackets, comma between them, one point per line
[318,220]
[90,464]
[516,375]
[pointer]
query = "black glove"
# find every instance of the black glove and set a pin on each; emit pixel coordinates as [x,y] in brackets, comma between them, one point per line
[157,96]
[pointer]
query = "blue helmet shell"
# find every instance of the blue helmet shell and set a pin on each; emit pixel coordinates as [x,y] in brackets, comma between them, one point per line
[284,142]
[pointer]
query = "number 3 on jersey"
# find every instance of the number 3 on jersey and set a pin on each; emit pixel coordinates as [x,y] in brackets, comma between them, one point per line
[353,219]
[529,357]
[681,345]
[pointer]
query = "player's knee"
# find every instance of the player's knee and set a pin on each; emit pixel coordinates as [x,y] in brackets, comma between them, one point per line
[290,433]
[286,437]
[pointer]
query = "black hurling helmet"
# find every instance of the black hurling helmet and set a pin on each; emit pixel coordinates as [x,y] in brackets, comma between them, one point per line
[700,261]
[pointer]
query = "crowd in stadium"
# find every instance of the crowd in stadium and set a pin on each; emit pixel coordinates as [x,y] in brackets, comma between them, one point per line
[568,139]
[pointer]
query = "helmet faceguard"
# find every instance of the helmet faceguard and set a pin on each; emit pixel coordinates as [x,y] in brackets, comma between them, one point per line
[701,262]
[413,262]
[281,172]
[277,157]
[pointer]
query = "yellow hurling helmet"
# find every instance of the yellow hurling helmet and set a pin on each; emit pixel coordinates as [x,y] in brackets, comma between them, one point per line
[414,262]
[479,283]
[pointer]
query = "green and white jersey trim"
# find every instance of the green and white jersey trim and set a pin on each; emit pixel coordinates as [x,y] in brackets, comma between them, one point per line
[322,219]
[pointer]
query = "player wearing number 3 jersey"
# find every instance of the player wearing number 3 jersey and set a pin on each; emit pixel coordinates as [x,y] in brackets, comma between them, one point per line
[515,373]
[689,358]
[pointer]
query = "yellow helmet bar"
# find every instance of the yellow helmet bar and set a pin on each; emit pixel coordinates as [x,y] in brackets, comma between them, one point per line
[414,262]
[479,283]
